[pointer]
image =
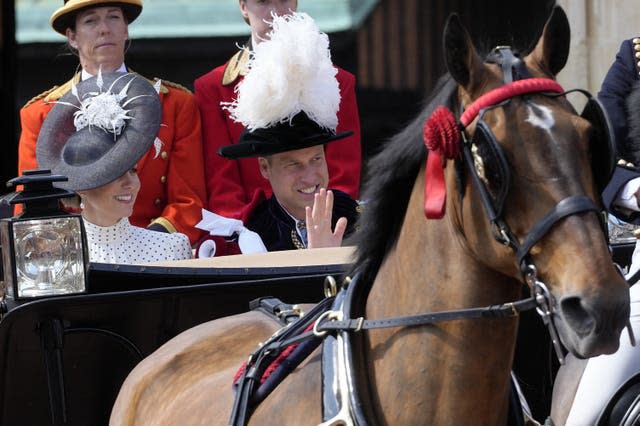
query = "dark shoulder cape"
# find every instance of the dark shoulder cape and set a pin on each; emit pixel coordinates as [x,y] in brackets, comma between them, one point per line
[277,228]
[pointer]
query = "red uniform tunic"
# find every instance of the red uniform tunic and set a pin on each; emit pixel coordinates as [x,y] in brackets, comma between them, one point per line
[172,190]
[231,184]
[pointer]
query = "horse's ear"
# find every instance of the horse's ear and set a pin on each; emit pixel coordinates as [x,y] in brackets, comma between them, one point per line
[460,55]
[552,50]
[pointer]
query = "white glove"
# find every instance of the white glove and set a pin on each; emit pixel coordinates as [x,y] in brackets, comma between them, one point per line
[207,249]
[627,196]
[248,241]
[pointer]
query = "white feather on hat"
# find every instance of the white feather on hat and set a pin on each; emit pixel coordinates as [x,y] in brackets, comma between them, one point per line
[288,73]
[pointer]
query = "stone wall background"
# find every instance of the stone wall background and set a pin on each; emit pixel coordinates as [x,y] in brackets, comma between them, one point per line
[597,29]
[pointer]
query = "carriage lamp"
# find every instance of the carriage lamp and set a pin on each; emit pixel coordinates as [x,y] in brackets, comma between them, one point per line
[44,250]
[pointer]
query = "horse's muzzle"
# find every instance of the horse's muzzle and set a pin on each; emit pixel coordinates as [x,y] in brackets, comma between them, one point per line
[591,326]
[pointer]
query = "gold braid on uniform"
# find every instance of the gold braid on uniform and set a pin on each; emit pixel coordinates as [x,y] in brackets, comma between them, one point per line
[236,67]
[625,163]
[174,85]
[636,52]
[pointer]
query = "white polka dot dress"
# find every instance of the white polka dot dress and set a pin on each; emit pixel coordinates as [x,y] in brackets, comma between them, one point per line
[126,244]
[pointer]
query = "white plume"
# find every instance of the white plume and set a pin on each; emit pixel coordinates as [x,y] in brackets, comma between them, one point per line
[289,72]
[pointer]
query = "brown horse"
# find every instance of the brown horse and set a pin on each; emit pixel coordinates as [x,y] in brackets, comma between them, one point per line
[455,372]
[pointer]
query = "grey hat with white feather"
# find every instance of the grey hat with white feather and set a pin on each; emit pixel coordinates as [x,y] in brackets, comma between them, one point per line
[99,129]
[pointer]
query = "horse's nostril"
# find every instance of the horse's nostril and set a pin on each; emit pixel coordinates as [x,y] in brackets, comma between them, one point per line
[576,317]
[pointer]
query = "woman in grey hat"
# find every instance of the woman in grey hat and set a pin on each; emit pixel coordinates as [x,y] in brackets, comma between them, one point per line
[95,135]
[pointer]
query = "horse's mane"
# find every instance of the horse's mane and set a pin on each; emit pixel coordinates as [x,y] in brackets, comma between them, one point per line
[390,178]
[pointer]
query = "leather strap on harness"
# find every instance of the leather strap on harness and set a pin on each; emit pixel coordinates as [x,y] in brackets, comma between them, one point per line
[513,68]
[494,311]
[248,382]
[275,308]
[566,207]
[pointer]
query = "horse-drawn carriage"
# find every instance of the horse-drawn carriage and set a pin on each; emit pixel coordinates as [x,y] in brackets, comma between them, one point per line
[65,358]
[425,332]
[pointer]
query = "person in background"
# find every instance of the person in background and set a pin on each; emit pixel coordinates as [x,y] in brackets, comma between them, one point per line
[623,74]
[95,136]
[232,185]
[597,380]
[287,133]
[172,189]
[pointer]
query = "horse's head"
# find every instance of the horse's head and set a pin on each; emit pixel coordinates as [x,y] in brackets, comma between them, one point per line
[540,164]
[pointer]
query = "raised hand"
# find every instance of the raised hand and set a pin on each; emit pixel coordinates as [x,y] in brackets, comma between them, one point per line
[318,219]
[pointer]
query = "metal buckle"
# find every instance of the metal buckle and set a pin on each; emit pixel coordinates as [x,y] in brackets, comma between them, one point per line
[329,316]
[546,307]
[295,311]
[500,233]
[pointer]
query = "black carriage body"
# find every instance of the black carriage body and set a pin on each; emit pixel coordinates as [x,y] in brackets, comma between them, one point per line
[63,359]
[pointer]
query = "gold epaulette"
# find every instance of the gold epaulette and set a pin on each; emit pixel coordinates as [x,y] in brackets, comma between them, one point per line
[237,66]
[636,52]
[171,84]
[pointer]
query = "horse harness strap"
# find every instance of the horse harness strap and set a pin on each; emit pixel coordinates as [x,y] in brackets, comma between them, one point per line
[248,392]
[513,68]
[284,313]
[327,317]
[342,404]
[567,207]
[326,322]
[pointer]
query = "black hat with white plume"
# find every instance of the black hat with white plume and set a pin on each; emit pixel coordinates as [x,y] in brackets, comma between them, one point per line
[290,97]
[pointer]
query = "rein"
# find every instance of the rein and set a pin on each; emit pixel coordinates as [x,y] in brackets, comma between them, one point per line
[333,321]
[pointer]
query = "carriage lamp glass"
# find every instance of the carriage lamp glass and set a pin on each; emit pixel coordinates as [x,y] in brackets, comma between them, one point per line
[44,249]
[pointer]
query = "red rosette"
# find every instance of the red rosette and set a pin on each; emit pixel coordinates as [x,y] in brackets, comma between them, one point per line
[442,138]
